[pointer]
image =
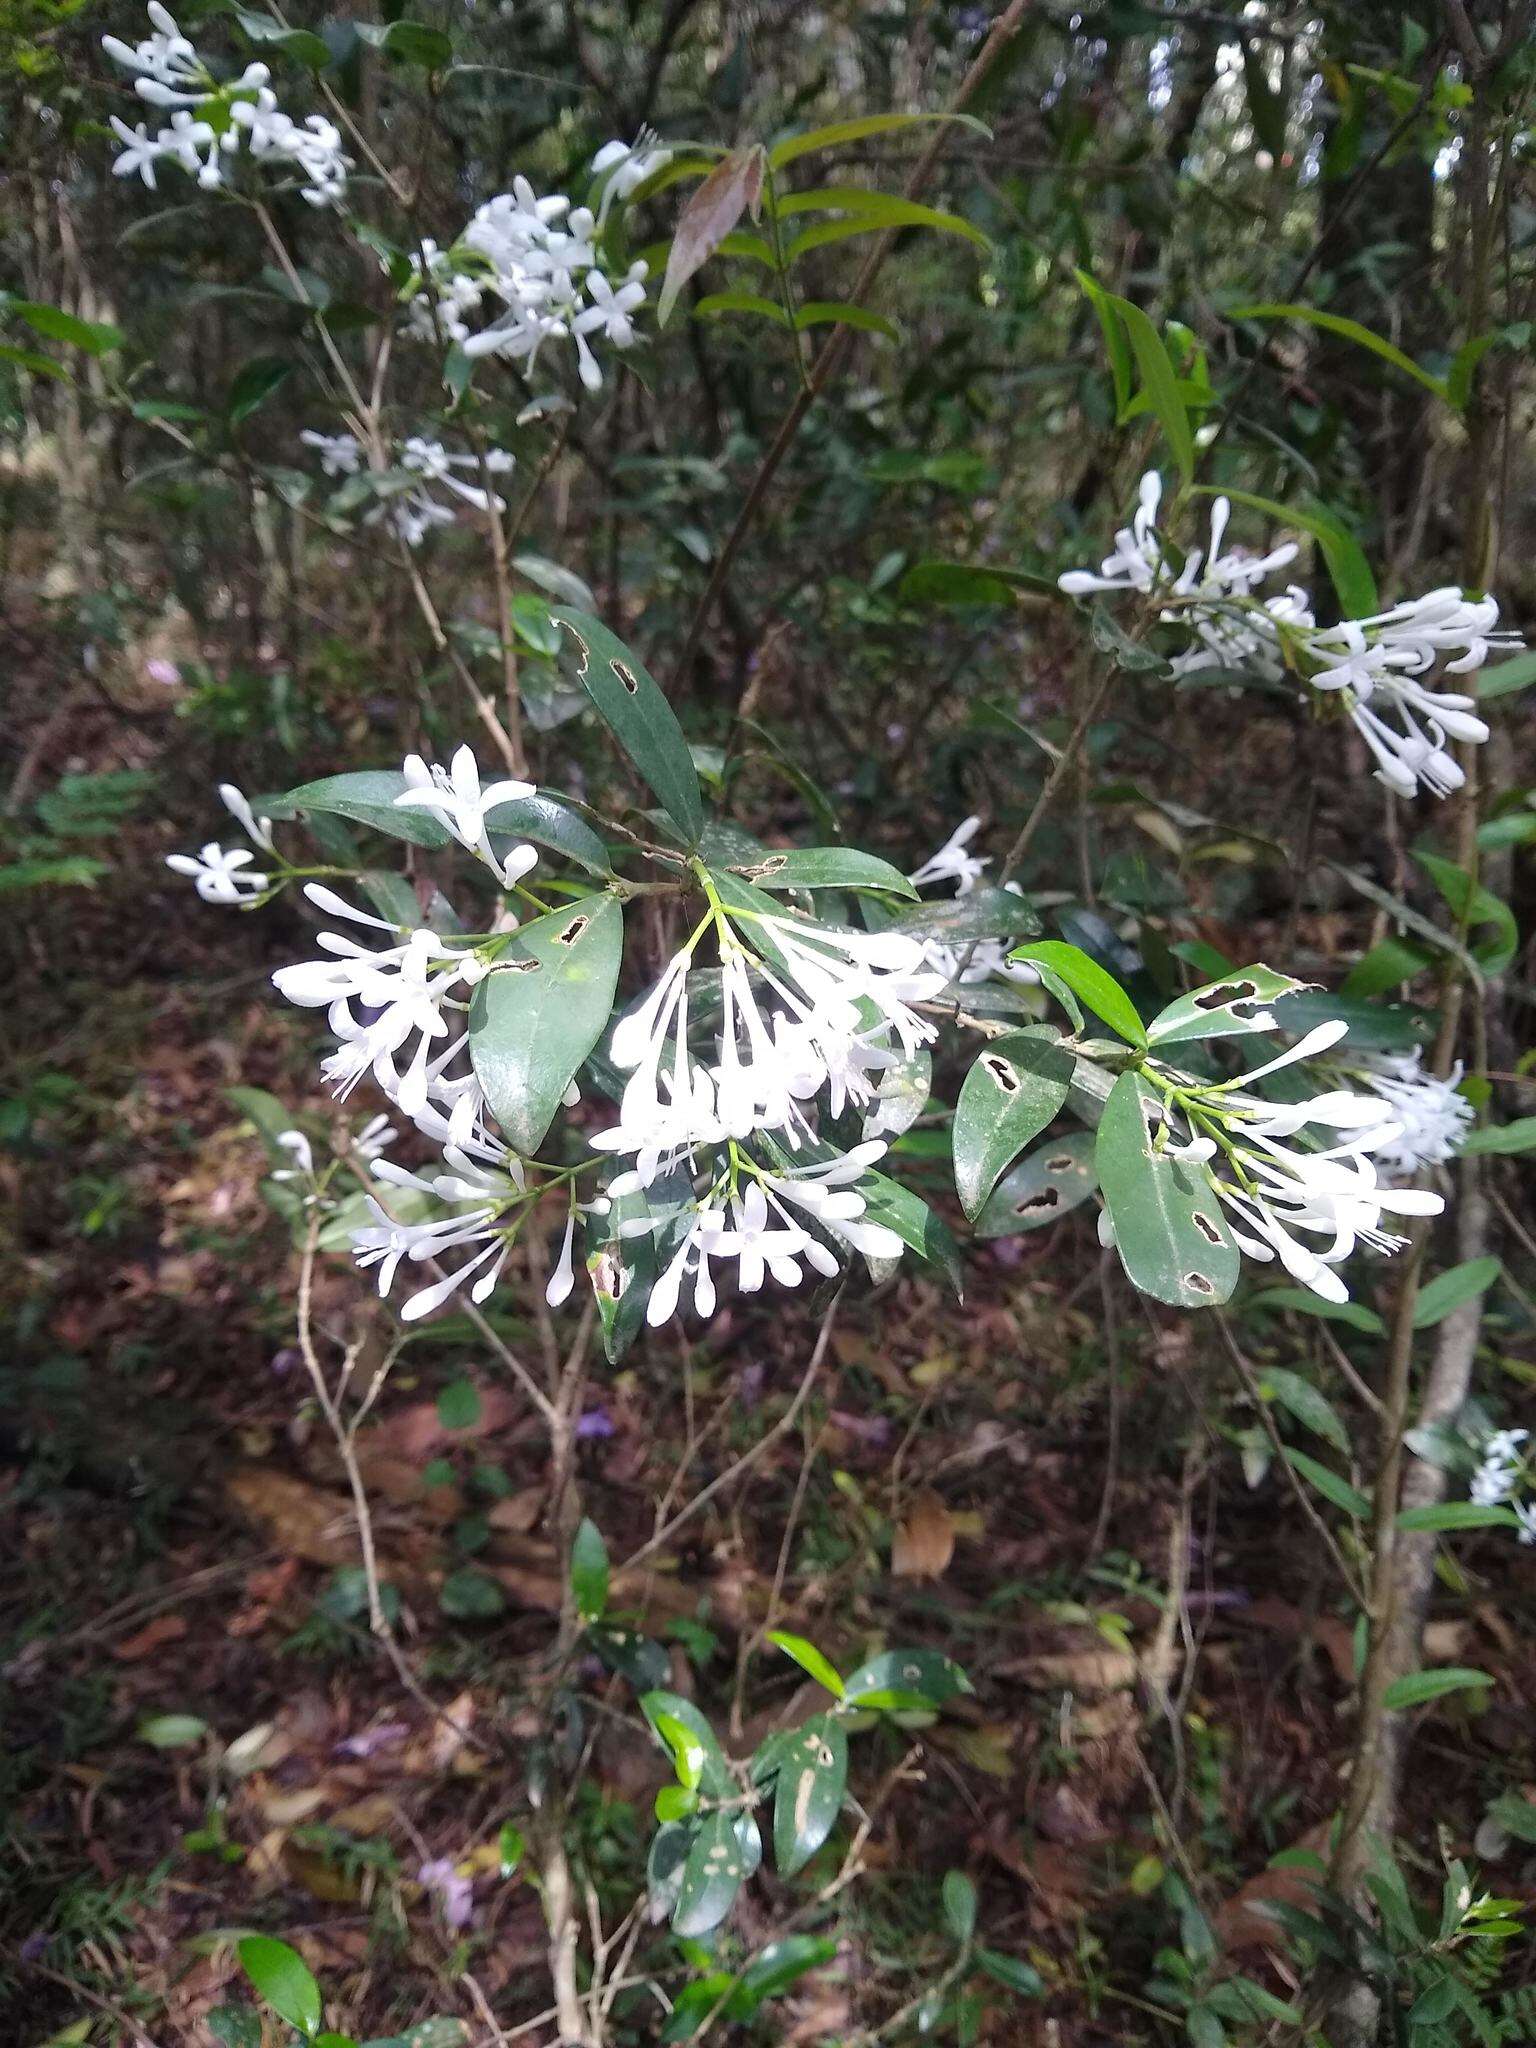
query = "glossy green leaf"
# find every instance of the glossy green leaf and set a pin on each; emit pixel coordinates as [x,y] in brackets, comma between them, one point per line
[1458,1514]
[825,867]
[1347,330]
[1094,984]
[1519,1136]
[808,1796]
[1419,1686]
[924,1675]
[301,44]
[1329,1484]
[282,1980]
[712,1876]
[775,1969]
[1169,1228]
[253,384]
[548,822]
[367,797]
[412,42]
[1450,1290]
[640,718]
[1304,1302]
[1236,1006]
[986,913]
[810,1660]
[1057,1176]
[838,134]
[1016,1086]
[1311,1408]
[715,1779]
[888,1202]
[589,1571]
[1478,908]
[541,1010]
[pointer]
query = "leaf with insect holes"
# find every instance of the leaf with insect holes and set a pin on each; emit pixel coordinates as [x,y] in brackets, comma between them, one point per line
[282,1980]
[1057,1176]
[1172,1238]
[1016,1086]
[809,1794]
[638,716]
[825,867]
[712,1876]
[1237,1005]
[733,187]
[540,1011]
[985,913]
[927,1677]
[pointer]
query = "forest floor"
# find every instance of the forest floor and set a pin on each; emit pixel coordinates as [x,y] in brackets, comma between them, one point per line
[1040,1482]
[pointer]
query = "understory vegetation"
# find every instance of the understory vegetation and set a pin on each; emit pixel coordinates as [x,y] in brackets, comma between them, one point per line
[766,834]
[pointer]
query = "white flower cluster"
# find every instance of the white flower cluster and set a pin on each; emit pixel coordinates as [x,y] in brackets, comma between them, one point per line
[1380,665]
[1503,1469]
[210,122]
[414,512]
[839,1015]
[1278,1194]
[225,875]
[973,959]
[1433,1116]
[534,266]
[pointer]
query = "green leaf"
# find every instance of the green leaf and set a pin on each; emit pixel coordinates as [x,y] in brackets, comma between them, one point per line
[712,1877]
[714,303]
[959,1896]
[538,1013]
[639,717]
[1010,1971]
[869,213]
[1476,907]
[299,43]
[1386,966]
[985,913]
[1117,348]
[1448,1291]
[1304,1302]
[1516,1815]
[509,1848]
[715,1779]
[235,2026]
[1300,1398]
[1057,1176]
[956,583]
[677,1802]
[253,384]
[1434,2005]
[1329,1484]
[1169,1229]
[1519,1136]
[1347,330]
[838,313]
[888,1202]
[775,1969]
[458,1405]
[1086,978]
[411,41]
[1419,1686]
[840,133]
[824,867]
[367,796]
[471,1596]
[1458,1514]
[282,1980]
[39,366]
[1236,1006]
[1505,677]
[809,1794]
[95,337]
[172,1731]
[927,1676]
[1348,567]
[810,1660]
[589,1571]
[550,823]
[1015,1088]
[1463,368]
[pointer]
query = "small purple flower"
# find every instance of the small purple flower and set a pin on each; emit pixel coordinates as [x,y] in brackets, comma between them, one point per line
[371,1739]
[160,671]
[595,1422]
[455,1894]
[35,1946]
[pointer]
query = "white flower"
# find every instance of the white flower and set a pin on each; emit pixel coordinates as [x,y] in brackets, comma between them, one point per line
[340,454]
[455,797]
[258,830]
[376,1136]
[1502,1465]
[220,876]
[758,1246]
[297,1146]
[140,152]
[1434,1116]
[167,56]
[1525,1515]
[952,863]
[563,1278]
[1136,560]
[627,165]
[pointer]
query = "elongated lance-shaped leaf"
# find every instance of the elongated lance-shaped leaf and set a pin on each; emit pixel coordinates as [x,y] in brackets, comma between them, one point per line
[1172,1237]
[1097,987]
[985,913]
[638,716]
[840,133]
[825,867]
[888,1202]
[1017,1085]
[540,1011]
[367,796]
[712,1876]
[1233,1007]
[1057,1176]
[809,1794]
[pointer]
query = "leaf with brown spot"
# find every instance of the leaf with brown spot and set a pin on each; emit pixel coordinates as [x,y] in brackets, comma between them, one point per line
[733,187]
[924,1541]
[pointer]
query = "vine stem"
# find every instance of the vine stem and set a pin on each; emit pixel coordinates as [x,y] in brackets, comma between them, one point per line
[832,354]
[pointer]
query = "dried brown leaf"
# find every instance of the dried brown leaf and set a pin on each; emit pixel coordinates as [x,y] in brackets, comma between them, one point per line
[732,187]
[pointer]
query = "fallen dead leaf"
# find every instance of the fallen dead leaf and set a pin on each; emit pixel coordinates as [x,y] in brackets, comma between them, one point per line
[924,1541]
[165,1628]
